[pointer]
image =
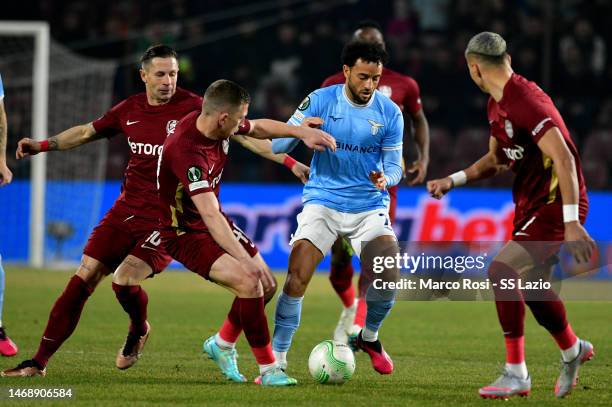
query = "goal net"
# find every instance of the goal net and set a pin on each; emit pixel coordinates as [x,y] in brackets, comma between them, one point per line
[54,201]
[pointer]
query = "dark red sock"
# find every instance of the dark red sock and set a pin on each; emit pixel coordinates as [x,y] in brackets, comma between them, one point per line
[361,313]
[63,318]
[134,301]
[509,302]
[231,328]
[515,350]
[255,325]
[549,311]
[565,338]
[341,278]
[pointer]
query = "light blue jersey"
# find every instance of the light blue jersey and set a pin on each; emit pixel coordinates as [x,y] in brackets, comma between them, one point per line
[368,137]
[1,89]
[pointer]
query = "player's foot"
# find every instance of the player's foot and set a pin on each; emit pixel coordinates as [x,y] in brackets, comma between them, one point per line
[381,362]
[569,370]
[27,368]
[506,386]
[7,347]
[275,377]
[345,323]
[226,359]
[132,348]
[352,341]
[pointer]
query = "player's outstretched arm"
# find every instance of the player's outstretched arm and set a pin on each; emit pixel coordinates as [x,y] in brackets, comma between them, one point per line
[553,145]
[263,148]
[311,137]
[208,207]
[6,175]
[487,166]
[66,140]
[421,138]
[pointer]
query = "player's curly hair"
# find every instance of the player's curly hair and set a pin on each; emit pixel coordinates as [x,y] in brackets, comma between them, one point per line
[363,24]
[366,51]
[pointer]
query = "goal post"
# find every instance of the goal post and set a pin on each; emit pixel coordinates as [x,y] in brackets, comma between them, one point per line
[48,89]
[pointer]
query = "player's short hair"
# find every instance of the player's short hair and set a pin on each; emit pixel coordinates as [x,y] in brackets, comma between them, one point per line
[222,94]
[364,24]
[487,46]
[366,51]
[157,51]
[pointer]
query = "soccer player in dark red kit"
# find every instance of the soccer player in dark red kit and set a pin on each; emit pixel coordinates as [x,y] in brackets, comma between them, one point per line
[528,136]
[405,92]
[126,241]
[197,233]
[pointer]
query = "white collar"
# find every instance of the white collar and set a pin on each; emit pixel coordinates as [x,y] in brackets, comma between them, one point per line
[344,90]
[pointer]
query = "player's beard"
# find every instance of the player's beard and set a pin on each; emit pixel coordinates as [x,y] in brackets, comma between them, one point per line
[357,98]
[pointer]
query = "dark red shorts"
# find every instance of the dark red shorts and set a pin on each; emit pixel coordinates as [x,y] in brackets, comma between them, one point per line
[541,231]
[121,233]
[393,202]
[198,251]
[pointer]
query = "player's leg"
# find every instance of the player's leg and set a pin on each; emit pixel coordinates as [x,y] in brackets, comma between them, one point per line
[64,316]
[341,278]
[7,346]
[248,310]
[510,263]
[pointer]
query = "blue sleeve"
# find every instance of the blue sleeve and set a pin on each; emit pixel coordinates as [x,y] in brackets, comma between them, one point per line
[308,108]
[1,88]
[392,166]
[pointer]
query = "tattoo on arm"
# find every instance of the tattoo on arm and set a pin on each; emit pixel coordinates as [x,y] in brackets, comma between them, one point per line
[53,143]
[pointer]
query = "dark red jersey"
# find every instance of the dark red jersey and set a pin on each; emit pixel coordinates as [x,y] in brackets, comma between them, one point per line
[520,119]
[401,89]
[191,164]
[146,128]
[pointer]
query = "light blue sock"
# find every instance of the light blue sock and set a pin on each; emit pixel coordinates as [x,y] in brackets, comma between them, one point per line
[286,321]
[379,305]
[1,290]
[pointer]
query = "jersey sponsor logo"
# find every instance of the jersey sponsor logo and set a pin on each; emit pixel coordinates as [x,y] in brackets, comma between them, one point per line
[514,154]
[375,126]
[194,173]
[539,126]
[129,123]
[145,148]
[357,149]
[509,129]
[385,90]
[305,103]
[170,126]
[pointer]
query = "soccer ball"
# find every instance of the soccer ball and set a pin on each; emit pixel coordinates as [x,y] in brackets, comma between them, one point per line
[331,362]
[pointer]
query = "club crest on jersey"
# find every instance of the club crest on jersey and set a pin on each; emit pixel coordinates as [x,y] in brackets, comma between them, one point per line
[509,129]
[225,145]
[305,103]
[194,173]
[170,126]
[375,126]
[386,90]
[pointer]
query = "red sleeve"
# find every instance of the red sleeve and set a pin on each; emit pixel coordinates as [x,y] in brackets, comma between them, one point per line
[335,79]
[191,168]
[533,115]
[412,101]
[109,124]
[244,127]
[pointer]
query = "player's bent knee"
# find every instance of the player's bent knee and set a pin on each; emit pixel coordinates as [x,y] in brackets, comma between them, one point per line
[92,271]
[131,271]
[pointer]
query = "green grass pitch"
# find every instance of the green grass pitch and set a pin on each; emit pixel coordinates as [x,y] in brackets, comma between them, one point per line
[443,351]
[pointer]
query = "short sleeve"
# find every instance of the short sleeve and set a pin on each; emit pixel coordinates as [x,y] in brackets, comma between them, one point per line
[394,133]
[109,124]
[191,168]
[534,116]
[412,101]
[1,89]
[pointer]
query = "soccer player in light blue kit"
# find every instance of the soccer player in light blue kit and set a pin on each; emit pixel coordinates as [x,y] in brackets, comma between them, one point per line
[7,347]
[346,193]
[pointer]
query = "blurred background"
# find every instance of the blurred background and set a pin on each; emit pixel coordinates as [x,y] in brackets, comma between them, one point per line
[281,50]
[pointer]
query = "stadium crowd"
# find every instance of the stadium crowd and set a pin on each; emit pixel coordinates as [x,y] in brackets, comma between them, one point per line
[281,50]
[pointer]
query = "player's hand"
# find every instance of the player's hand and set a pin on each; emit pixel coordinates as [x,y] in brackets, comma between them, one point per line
[301,171]
[254,267]
[316,139]
[6,176]
[419,168]
[379,180]
[314,122]
[26,147]
[437,188]
[579,243]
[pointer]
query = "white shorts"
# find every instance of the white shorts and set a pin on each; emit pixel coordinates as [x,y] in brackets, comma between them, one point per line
[322,226]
